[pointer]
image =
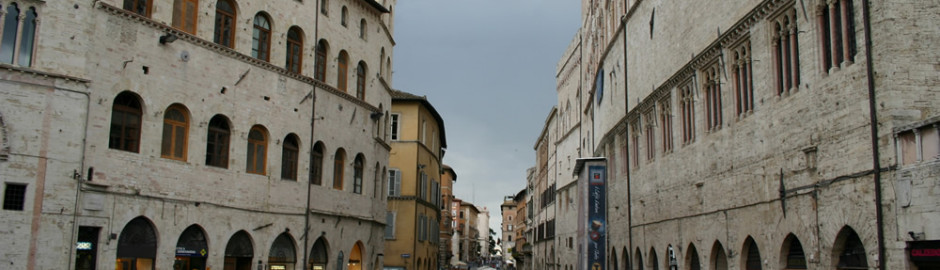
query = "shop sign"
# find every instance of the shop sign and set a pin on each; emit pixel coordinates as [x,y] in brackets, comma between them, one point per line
[925,251]
[183,252]
[83,246]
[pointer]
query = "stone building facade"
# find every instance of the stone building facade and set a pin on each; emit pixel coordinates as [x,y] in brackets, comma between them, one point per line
[157,134]
[763,134]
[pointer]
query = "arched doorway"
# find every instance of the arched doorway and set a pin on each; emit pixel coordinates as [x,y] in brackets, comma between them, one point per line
[626,259]
[612,264]
[355,257]
[137,245]
[318,255]
[751,254]
[848,251]
[654,260]
[719,261]
[191,249]
[691,258]
[793,256]
[638,258]
[283,255]
[239,252]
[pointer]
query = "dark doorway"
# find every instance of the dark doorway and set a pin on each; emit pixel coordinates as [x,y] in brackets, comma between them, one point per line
[86,253]
[238,252]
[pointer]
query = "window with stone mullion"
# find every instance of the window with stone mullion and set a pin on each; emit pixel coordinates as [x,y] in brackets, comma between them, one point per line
[741,69]
[786,52]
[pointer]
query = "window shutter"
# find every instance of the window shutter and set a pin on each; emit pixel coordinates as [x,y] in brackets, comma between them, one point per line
[397,183]
[391,182]
[390,225]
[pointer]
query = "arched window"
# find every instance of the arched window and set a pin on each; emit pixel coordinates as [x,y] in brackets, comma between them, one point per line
[342,68]
[361,80]
[317,163]
[257,150]
[319,72]
[18,49]
[239,251]
[339,159]
[225,23]
[141,7]
[358,166]
[175,133]
[376,182]
[261,38]
[137,245]
[343,15]
[381,66]
[191,249]
[125,122]
[753,261]
[217,142]
[185,13]
[295,45]
[363,28]
[849,251]
[283,254]
[289,157]
[324,7]
[388,68]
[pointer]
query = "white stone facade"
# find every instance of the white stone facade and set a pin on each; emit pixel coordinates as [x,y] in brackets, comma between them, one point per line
[795,164]
[57,114]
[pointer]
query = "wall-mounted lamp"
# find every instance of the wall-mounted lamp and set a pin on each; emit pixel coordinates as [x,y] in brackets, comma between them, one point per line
[167,38]
[421,166]
[375,115]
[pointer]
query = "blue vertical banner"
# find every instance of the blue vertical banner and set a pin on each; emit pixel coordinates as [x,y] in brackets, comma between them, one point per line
[597,217]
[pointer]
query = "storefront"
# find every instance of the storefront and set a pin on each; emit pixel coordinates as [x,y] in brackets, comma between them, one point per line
[191,250]
[924,254]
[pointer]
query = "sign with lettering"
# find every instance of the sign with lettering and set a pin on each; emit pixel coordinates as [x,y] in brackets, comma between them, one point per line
[597,217]
[924,251]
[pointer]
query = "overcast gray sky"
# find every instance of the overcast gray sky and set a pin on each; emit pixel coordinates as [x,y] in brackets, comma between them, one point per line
[488,67]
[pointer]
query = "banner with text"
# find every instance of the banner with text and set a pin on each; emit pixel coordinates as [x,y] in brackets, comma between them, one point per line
[597,217]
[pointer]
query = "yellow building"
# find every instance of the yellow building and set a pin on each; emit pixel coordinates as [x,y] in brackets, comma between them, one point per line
[414,189]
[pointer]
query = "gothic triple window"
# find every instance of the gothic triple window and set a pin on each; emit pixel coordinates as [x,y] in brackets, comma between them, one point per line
[836,22]
[786,52]
[742,78]
[712,87]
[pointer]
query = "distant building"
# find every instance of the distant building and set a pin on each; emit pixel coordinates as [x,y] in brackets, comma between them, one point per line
[412,240]
[448,224]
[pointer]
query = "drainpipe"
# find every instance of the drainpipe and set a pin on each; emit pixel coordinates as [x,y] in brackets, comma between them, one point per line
[78,182]
[872,110]
[313,118]
[626,110]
